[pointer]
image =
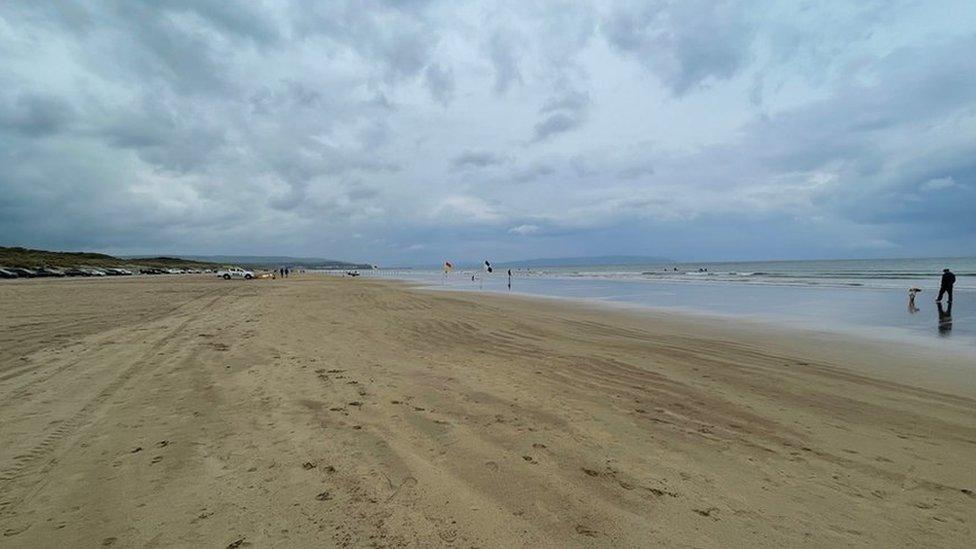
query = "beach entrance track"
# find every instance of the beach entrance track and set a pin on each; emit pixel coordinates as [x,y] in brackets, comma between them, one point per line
[193,412]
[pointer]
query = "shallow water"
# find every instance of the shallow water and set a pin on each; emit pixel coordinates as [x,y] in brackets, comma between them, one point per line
[868,311]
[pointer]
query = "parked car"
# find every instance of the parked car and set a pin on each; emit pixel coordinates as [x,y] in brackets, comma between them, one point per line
[235,272]
[49,271]
[5,273]
[75,271]
[22,272]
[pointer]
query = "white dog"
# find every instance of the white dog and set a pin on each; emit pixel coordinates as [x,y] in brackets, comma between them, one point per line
[911,299]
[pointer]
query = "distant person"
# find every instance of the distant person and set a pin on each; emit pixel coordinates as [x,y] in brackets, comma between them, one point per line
[509,279]
[948,279]
[945,319]
[287,272]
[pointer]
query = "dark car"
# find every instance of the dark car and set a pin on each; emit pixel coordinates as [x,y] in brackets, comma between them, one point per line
[22,272]
[74,271]
[5,273]
[48,271]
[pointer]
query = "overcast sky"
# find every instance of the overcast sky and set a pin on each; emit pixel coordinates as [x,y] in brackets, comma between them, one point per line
[414,131]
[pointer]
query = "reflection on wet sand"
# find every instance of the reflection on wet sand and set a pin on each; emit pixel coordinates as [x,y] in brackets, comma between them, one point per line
[945,318]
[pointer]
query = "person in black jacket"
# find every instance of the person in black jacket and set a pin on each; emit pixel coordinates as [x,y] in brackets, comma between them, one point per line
[948,279]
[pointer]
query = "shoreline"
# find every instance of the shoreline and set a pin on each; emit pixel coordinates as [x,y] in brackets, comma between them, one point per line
[757,322]
[959,376]
[316,410]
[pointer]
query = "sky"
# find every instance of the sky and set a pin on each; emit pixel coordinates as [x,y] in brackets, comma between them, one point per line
[414,132]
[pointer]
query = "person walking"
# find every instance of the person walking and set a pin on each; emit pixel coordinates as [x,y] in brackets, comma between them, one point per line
[948,279]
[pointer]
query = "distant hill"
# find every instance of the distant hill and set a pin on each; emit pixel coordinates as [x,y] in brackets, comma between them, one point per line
[587,261]
[29,258]
[275,261]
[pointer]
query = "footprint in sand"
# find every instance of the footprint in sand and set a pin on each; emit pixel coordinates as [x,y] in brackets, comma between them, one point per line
[584,530]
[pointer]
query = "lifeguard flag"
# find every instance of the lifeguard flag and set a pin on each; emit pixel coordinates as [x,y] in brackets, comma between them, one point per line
[487,266]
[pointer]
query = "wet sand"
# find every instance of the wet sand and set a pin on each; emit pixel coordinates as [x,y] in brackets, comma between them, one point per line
[186,411]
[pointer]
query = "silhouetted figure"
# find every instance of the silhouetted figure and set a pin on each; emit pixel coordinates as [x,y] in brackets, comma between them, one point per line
[948,279]
[509,279]
[945,319]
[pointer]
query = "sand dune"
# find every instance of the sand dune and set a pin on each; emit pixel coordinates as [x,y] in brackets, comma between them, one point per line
[158,412]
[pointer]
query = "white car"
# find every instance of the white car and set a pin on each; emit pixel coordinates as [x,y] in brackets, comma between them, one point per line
[235,272]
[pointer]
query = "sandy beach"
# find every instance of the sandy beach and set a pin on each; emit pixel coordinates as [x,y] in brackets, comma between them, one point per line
[319,411]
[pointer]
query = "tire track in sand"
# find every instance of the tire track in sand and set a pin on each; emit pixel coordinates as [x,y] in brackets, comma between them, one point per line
[33,459]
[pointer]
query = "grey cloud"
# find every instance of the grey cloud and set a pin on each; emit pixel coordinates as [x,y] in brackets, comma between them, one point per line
[563,113]
[637,171]
[572,100]
[440,83]
[556,123]
[684,43]
[395,38]
[476,159]
[35,115]
[211,127]
[240,19]
[532,173]
[361,193]
[504,61]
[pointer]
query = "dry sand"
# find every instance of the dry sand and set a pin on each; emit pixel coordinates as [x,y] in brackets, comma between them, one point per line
[185,411]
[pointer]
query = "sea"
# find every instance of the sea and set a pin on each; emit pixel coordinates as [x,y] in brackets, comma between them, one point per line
[867,297]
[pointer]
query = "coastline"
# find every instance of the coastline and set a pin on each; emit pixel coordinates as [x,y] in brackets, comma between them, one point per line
[349,411]
[877,314]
